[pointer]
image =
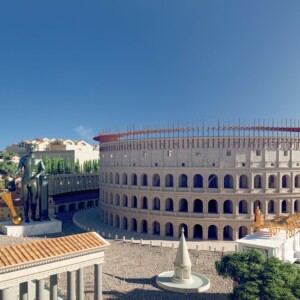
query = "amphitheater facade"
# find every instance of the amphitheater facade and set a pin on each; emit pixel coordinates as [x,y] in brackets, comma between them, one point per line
[207,179]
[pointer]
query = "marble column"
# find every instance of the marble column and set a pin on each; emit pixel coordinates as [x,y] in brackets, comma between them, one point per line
[71,287]
[80,285]
[53,287]
[40,289]
[98,282]
[23,288]
[5,294]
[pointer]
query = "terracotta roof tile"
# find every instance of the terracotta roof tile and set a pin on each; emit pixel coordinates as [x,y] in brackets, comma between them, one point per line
[49,248]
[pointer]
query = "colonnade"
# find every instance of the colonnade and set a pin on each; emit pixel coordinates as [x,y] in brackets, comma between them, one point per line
[25,267]
[75,287]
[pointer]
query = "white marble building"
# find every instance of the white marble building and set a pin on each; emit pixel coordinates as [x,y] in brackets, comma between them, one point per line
[22,265]
[286,249]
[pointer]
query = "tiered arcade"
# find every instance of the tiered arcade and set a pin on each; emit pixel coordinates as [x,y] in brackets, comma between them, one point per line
[206,179]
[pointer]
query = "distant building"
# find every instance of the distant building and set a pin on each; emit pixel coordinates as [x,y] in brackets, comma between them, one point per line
[42,144]
[67,149]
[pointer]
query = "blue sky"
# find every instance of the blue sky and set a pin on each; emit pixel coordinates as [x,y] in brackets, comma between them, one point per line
[69,69]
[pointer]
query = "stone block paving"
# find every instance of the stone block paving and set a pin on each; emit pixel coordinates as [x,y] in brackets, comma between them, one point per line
[131,267]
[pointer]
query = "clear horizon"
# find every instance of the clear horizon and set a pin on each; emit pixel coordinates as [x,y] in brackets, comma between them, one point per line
[71,69]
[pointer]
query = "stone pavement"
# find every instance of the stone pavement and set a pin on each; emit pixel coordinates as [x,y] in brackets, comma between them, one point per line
[89,220]
[130,268]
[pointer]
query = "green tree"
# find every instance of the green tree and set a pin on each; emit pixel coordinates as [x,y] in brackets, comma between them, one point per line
[88,166]
[60,166]
[54,166]
[260,278]
[96,165]
[7,156]
[7,168]
[77,167]
[68,167]
[47,164]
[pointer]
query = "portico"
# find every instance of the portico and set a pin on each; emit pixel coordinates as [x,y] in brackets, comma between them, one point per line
[35,261]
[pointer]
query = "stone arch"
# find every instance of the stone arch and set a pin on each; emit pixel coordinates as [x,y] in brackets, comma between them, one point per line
[144,226]
[125,201]
[111,198]
[243,182]
[124,223]
[243,207]
[228,181]
[105,217]
[124,179]
[111,219]
[133,179]
[133,225]
[296,206]
[212,232]
[169,229]
[257,182]
[285,181]
[117,199]
[183,205]
[243,231]
[198,181]
[213,206]
[117,221]
[156,204]
[144,180]
[72,207]
[272,182]
[198,232]
[198,206]
[156,180]
[81,205]
[213,181]
[144,202]
[284,206]
[117,178]
[227,207]
[227,233]
[169,180]
[183,181]
[297,181]
[155,228]
[271,207]
[111,178]
[134,202]
[169,205]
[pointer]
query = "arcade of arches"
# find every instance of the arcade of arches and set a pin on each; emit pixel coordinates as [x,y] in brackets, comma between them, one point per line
[217,219]
[173,229]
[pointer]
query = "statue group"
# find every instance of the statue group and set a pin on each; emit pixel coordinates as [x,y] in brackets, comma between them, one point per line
[34,188]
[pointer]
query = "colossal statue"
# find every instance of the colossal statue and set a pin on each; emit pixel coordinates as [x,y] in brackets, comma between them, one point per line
[32,168]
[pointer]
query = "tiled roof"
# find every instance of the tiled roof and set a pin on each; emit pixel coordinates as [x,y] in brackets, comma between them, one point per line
[49,248]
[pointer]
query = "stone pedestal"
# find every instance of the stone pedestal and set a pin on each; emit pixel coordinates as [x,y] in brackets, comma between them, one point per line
[31,229]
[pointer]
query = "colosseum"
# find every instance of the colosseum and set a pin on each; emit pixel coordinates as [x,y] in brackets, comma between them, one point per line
[208,179]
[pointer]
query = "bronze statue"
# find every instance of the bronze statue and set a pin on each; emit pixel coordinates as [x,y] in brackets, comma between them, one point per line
[32,168]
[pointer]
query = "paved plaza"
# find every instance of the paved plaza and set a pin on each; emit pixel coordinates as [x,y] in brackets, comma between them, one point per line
[131,267]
